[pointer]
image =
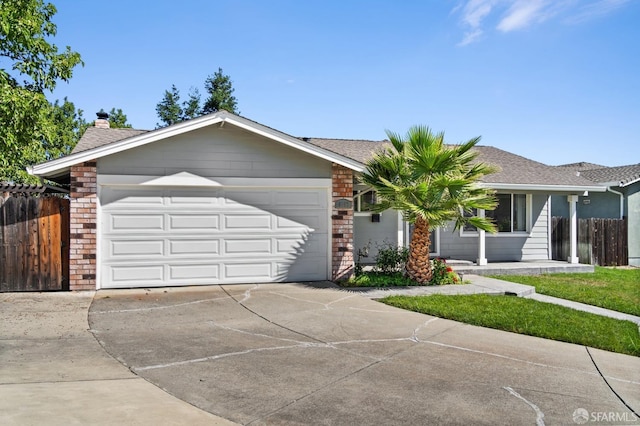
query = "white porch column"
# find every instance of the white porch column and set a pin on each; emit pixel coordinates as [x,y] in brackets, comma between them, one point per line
[482,255]
[401,237]
[573,228]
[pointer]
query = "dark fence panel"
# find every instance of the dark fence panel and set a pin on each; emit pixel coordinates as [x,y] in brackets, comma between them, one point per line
[601,242]
[34,244]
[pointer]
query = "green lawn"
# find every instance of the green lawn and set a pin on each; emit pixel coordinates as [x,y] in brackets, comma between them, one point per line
[610,288]
[526,316]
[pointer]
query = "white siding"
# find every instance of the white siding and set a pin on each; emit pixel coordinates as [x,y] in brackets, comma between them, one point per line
[378,233]
[219,152]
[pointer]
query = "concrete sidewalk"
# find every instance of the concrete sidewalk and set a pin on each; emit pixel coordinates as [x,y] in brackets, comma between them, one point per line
[484,285]
[54,372]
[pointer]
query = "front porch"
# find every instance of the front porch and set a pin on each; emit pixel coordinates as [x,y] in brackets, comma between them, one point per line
[534,267]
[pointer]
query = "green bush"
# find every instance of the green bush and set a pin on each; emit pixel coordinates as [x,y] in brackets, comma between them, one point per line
[391,259]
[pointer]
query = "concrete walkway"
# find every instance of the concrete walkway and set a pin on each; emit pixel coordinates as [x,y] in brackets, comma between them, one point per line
[54,372]
[484,285]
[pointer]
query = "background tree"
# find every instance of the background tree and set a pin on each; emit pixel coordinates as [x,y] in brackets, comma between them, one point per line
[168,109]
[431,184]
[118,119]
[35,66]
[220,94]
[69,127]
[191,107]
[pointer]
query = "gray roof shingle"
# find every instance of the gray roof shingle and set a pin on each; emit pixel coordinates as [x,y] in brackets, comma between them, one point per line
[513,169]
[95,137]
[623,174]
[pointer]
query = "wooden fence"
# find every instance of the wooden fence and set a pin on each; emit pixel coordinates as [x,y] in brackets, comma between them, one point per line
[34,244]
[601,242]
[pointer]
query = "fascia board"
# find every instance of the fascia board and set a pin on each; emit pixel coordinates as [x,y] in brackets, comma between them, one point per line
[547,188]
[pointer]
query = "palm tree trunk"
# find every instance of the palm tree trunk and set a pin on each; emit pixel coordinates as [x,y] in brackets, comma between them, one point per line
[418,265]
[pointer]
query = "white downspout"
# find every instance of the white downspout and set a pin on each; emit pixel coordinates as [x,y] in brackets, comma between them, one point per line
[621,195]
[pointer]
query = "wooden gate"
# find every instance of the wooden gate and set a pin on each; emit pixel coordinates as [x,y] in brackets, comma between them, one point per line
[601,242]
[34,244]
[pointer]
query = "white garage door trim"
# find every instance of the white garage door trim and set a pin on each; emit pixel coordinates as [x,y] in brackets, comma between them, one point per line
[174,266]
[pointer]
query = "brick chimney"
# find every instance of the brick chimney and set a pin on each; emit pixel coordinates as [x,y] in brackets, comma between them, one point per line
[102,121]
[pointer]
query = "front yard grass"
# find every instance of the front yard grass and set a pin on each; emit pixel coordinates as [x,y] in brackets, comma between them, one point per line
[611,288]
[526,316]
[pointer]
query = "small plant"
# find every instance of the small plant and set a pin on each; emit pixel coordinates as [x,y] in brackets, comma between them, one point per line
[443,274]
[362,252]
[390,258]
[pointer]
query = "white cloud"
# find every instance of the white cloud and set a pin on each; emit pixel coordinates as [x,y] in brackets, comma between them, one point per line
[521,14]
[514,15]
[595,9]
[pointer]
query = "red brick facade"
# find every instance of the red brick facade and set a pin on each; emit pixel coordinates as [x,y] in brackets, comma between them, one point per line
[341,224]
[83,224]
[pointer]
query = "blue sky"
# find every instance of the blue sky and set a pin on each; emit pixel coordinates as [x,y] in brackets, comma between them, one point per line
[557,81]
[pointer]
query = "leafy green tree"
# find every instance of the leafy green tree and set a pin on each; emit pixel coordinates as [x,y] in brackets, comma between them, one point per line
[31,65]
[431,184]
[168,109]
[118,119]
[191,107]
[69,127]
[220,94]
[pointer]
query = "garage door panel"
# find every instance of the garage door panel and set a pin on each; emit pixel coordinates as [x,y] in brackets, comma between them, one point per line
[137,222]
[247,223]
[140,274]
[297,247]
[197,236]
[179,222]
[136,248]
[194,247]
[190,198]
[249,272]
[247,199]
[194,271]
[302,220]
[247,246]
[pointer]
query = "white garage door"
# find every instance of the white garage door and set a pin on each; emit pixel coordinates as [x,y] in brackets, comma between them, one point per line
[178,236]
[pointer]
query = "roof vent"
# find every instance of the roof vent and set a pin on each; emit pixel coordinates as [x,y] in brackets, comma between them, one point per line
[103,120]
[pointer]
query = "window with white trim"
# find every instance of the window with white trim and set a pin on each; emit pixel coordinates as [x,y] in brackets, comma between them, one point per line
[510,215]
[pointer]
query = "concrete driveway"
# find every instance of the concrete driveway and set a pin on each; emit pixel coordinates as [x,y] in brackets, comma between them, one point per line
[296,354]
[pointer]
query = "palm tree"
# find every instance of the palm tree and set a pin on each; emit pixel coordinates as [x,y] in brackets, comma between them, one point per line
[431,184]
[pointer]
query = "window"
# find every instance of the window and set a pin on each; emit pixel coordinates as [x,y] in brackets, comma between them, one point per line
[468,227]
[364,201]
[511,213]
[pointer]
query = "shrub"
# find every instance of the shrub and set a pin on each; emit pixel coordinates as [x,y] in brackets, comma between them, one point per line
[391,259]
[442,273]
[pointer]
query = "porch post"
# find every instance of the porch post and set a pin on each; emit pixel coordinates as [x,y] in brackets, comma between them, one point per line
[482,255]
[401,239]
[573,228]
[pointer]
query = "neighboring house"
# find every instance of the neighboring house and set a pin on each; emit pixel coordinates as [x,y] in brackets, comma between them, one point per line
[621,199]
[223,199]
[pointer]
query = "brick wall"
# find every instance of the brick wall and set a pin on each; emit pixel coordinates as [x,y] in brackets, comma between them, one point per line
[341,224]
[83,224]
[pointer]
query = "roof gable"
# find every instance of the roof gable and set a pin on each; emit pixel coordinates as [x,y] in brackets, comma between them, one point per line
[102,142]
